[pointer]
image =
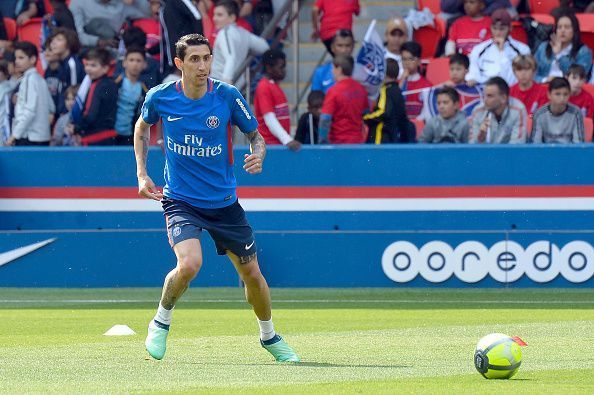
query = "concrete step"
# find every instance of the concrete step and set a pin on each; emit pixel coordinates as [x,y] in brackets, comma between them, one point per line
[308,51]
[360,26]
[305,70]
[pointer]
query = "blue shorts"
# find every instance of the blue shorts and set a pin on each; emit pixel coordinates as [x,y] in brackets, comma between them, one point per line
[227,226]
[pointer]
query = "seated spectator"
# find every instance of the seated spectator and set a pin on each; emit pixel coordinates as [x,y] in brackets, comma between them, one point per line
[134,37]
[558,121]
[531,94]
[494,56]
[64,128]
[335,15]
[499,120]
[450,126]
[565,48]
[98,22]
[469,30]
[62,16]
[396,35]
[270,103]
[99,110]
[412,82]
[27,9]
[65,45]
[343,43]
[52,77]
[388,123]
[451,8]
[307,127]
[131,93]
[576,75]
[341,121]
[34,108]
[234,43]
[7,84]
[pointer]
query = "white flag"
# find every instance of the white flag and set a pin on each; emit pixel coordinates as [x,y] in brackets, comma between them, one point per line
[370,64]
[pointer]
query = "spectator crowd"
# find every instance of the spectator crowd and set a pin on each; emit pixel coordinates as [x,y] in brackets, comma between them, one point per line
[80,78]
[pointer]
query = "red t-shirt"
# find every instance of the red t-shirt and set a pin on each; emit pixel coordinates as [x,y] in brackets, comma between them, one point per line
[533,97]
[414,101]
[346,101]
[269,97]
[466,33]
[585,102]
[336,15]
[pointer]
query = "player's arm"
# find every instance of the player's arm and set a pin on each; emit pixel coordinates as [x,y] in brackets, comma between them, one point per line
[142,135]
[253,162]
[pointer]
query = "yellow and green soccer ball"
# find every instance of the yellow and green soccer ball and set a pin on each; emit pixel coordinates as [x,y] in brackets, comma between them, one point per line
[497,356]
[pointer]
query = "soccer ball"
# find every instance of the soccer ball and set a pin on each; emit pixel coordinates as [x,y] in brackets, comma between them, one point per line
[497,356]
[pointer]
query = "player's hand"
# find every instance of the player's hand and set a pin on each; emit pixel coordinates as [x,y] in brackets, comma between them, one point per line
[253,163]
[148,189]
[482,136]
[294,145]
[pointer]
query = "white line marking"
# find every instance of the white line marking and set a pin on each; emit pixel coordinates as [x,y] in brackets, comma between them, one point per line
[405,301]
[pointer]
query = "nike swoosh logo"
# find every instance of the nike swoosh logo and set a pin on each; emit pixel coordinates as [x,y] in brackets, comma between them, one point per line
[12,255]
[247,247]
[170,119]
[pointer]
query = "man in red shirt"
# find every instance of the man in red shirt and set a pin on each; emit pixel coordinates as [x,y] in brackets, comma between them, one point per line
[341,121]
[336,15]
[270,102]
[530,93]
[470,29]
[576,75]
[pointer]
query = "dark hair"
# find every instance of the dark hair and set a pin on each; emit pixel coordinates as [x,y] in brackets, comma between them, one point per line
[101,55]
[450,92]
[315,96]
[4,68]
[576,69]
[343,33]
[500,84]
[576,41]
[392,68]
[28,48]
[270,57]
[461,59]
[71,38]
[412,47]
[229,5]
[345,62]
[181,46]
[135,49]
[559,83]
[134,36]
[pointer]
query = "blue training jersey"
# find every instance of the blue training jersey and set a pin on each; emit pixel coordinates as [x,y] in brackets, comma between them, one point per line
[197,139]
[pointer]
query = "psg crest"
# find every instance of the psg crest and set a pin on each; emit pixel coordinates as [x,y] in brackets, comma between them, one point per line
[212,122]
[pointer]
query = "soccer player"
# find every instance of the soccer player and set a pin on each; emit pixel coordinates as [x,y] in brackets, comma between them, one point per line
[200,185]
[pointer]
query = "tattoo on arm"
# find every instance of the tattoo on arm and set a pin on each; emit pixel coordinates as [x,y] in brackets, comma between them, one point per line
[257,143]
[142,135]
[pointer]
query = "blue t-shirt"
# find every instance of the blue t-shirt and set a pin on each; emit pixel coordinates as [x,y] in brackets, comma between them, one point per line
[323,79]
[128,98]
[197,140]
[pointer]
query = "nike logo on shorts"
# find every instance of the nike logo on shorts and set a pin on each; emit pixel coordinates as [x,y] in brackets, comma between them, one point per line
[170,119]
[247,247]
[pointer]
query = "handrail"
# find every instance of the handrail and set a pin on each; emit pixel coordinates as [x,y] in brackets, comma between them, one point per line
[309,81]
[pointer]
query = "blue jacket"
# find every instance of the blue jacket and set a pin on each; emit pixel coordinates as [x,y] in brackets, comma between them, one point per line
[543,63]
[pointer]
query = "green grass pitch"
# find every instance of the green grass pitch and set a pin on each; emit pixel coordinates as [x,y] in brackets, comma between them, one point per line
[351,341]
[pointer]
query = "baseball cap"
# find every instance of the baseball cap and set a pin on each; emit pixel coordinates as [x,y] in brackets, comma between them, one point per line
[396,23]
[501,16]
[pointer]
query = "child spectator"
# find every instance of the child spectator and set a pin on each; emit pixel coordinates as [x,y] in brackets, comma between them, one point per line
[99,110]
[64,44]
[34,107]
[134,37]
[388,123]
[412,82]
[576,75]
[450,126]
[530,93]
[131,92]
[336,15]
[7,85]
[52,77]
[270,103]
[396,35]
[341,121]
[307,128]
[64,129]
[558,121]
[469,30]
